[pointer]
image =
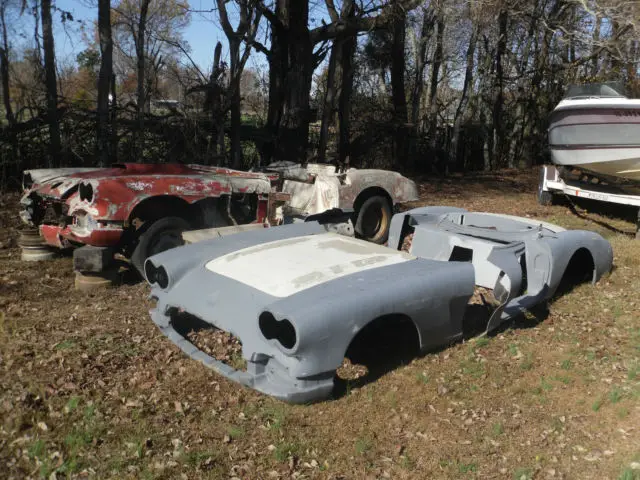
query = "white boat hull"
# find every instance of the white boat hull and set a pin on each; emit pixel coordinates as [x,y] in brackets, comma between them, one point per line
[613,162]
[599,135]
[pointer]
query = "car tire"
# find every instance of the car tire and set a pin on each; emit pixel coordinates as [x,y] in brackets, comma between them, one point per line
[163,234]
[373,220]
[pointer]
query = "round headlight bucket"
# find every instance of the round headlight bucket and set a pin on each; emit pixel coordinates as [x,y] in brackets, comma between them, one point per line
[157,275]
[282,331]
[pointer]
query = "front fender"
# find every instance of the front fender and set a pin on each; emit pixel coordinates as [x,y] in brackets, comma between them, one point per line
[328,317]
[398,187]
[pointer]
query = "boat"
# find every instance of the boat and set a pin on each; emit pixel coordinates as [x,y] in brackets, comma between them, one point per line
[596,129]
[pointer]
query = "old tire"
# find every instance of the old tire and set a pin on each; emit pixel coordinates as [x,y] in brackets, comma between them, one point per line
[86,281]
[545,198]
[30,238]
[373,219]
[37,254]
[163,234]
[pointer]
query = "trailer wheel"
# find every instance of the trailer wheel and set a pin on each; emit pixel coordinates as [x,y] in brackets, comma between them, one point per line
[545,198]
[163,234]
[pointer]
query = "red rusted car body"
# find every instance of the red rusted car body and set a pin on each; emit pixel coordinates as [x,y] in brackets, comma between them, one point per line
[96,206]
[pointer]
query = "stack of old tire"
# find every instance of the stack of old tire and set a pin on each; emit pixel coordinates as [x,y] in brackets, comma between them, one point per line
[33,246]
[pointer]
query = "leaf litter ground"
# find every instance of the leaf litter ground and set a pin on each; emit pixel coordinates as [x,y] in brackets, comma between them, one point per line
[90,388]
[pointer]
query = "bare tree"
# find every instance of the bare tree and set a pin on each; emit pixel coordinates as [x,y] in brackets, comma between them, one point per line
[426,30]
[398,96]
[249,19]
[295,52]
[4,63]
[51,85]
[464,95]
[339,85]
[139,39]
[435,72]
[103,143]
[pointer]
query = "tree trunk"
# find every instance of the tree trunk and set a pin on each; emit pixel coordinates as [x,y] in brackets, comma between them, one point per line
[498,128]
[397,86]
[435,72]
[596,41]
[418,82]
[277,77]
[140,41]
[293,133]
[112,121]
[249,18]
[464,100]
[234,103]
[329,99]
[4,68]
[104,82]
[217,114]
[51,85]
[344,105]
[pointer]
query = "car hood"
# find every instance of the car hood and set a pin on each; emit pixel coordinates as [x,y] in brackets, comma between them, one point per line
[62,182]
[284,267]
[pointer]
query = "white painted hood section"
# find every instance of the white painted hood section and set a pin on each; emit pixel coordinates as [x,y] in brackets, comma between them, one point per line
[285,267]
[312,198]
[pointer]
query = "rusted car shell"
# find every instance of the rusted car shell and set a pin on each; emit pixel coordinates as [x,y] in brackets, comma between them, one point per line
[111,194]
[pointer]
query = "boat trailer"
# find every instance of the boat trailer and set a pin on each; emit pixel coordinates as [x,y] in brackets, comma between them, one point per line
[551,184]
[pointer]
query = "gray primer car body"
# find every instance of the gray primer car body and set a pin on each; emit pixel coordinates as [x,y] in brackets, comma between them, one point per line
[296,296]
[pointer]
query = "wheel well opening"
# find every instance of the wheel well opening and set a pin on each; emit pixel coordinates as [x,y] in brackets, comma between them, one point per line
[387,341]
[580,269]
[154,208]
[368,193]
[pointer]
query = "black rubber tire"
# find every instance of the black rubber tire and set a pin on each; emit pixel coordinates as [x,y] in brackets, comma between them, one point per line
[545,198]
[373,220]
[30,238]
[163,234]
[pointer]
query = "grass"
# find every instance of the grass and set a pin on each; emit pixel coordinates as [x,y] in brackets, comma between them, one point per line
[65,345]
[235,432]
[566,364]
[595,406]
[363,445]
[629,474]
[275,417]
[37,449]
[527,362]
[615,395]
[72,404]
[286,450]
[467,467]
[523,473]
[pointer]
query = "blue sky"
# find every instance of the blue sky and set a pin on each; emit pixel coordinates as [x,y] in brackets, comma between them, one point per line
[201,34]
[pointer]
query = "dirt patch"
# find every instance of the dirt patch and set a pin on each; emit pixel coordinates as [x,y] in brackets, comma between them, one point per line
[90,388]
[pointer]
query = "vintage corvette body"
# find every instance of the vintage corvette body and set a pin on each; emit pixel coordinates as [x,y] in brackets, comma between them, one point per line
[95,206]
[297,296]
